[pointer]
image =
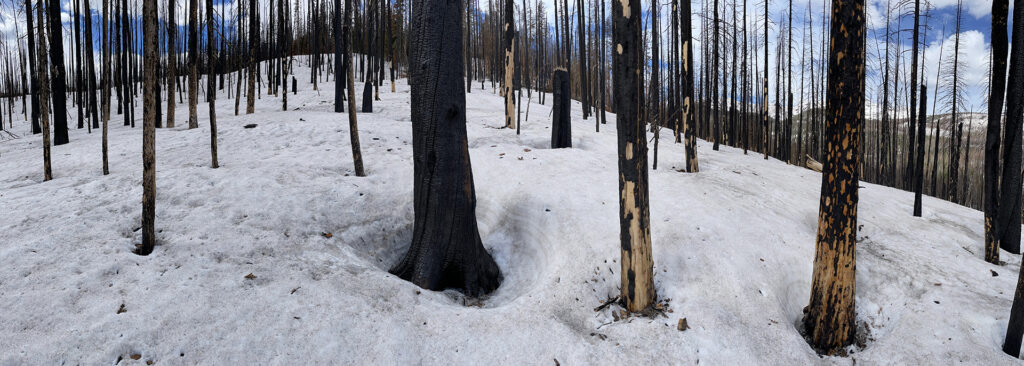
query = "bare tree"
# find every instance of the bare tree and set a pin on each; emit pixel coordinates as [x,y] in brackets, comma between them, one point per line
[829,318]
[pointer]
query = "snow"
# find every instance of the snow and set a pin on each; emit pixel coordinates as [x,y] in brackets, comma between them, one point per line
[733,249]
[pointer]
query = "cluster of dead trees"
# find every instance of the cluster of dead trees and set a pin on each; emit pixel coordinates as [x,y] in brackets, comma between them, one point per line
[514,46]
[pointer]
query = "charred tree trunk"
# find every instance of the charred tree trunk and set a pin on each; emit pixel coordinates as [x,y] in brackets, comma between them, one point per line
[509,41]
[211,82]
[561,124]
[91,69]
[919,155]
[446,251]
[172,60]
[250,101]
[1010,188]
[582,41]
[997,83]
[1009,209]
[33,72]
[106,78]
[150,58]
[829,318]
[339,60]
[357,155]
[44,94]
[193,63]
[57,78]
[637,274]
[689,122]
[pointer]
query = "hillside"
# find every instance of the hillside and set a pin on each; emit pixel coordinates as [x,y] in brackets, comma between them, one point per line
[280,256]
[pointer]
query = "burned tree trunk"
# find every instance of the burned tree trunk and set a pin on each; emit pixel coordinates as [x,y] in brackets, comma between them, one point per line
[561,124]
[687,88]
[34,74]
[829,318]
[149,53]
[446,251]
[105,77]
[634,217]
[509,40]
[919,155]
[1009,209]
[91,68]
[357,155]
[250,101]
[211,90]
[339,60]
[57,81]
[193,63]
[44,91]
[997,83]
[1010,188]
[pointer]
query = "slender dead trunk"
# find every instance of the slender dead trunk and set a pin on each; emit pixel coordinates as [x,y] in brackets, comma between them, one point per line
[57,73]
[997,85]
[250,102]
[357,155]
[44,95]
[509,40]
[150,58]
[211,82]
[172,60]
[193,63]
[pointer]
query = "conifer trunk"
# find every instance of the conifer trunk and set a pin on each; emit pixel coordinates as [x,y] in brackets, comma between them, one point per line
[446,250]
[637,274]
[830,316]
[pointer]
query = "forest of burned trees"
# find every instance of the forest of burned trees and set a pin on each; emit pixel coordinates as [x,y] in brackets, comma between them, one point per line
[728,106]
[108,61]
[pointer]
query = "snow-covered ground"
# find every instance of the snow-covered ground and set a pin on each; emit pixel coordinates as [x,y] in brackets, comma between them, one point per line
[733,248]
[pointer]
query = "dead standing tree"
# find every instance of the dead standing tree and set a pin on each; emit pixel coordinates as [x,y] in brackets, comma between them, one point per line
[149,106]
[829,318]
[446,250]
[510,65]
[634,216]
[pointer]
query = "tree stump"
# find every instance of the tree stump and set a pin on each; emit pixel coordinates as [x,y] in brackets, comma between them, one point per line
[367,98]
[561,124]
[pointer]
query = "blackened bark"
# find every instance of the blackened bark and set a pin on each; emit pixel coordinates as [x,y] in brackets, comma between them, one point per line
[909,176]
[211,84]
[367,97]
[250,101]
[689,122]
[997,83]
[509,42]
[829,318]
[34,75]
[1009,209]
[353,126]
[339,60]
[91,67]
[149,50]
[193,63]
[57,78]
[446,251]
[44,90]
[919,155]
[561,124]
[582,40]
[1010,188]
[637,274]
